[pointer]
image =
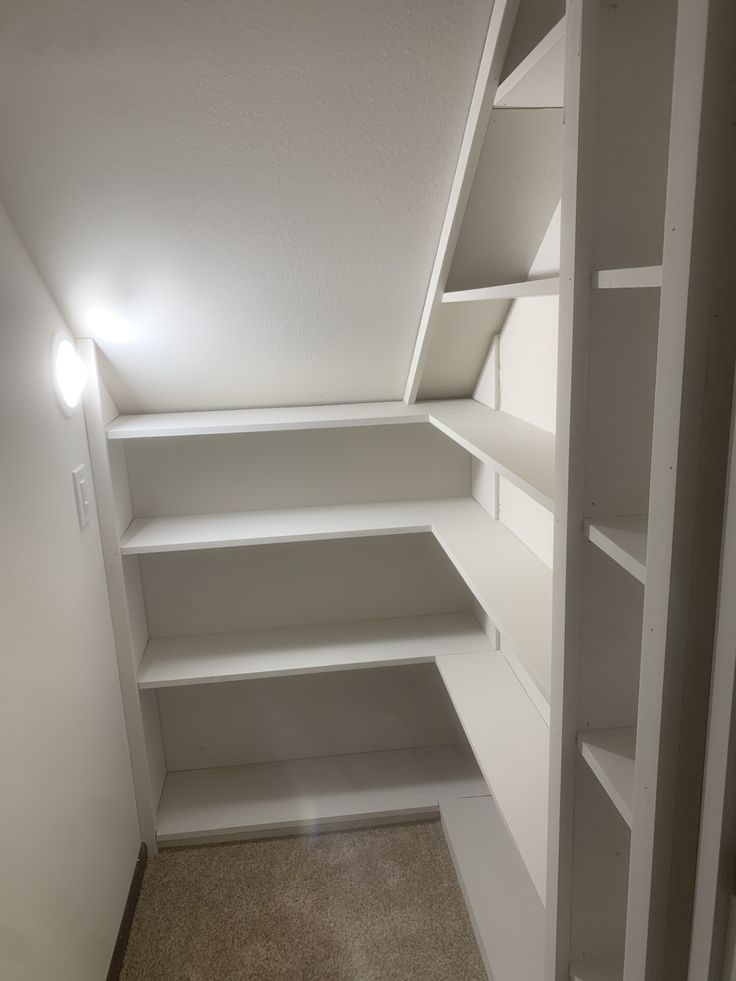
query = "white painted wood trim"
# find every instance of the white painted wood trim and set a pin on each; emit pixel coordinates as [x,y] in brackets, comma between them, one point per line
[608,969]
[643,277]
[510,291]
[624,539]
[313,794]
[546,61]
[504,908]
[312,649]
[610,754]
[489,72]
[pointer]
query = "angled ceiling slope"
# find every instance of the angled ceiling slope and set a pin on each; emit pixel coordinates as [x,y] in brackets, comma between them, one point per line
[256,187]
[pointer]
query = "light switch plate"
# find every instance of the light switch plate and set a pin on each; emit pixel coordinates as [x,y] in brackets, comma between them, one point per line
[81,494]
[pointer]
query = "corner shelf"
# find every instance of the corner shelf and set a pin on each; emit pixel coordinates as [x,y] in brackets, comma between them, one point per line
[276,652]
[610,754]
[504,908]
[523,453]
[624,539]
[549,286]
[510,740]
[506,578]
[539,81]
[311,794]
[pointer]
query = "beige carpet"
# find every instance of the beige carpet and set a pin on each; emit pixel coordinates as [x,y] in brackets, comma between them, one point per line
[376,905]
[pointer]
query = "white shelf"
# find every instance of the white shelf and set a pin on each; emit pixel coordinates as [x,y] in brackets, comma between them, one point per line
[523,453]
[511,584]
[610,754]
[539,81]
[505,910]
[641,277]
[605,969]
[263,420]
[624,539]
[210,658]
[308,795]
[549,286]
[511,744]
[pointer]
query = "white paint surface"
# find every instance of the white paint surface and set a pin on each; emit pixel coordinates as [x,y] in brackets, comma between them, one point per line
[257,187]
[68,829]
[532,523]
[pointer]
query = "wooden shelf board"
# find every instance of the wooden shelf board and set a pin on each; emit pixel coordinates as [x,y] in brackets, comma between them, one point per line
[550,286]
[511,744]
[641,277]
[523,453]
[211,658]
[595,969]
[263,420]
[312,794]
[610,754]
[624,539]
[539,81]
[511,584]
[507,915]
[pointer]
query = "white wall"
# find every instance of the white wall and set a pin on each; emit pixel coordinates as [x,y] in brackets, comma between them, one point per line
[68,828]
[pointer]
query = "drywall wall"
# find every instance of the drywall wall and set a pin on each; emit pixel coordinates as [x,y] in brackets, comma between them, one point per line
[258,187]
[68,828]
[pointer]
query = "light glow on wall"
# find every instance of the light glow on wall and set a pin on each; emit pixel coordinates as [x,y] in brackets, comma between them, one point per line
[105,325]
[69,373]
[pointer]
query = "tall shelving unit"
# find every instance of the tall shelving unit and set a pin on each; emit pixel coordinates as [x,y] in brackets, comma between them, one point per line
[465,603]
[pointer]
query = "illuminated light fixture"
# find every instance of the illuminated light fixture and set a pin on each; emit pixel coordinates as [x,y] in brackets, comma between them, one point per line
[69,373]
[105,325]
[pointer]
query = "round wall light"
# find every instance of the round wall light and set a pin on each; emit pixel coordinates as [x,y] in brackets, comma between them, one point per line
[69,373]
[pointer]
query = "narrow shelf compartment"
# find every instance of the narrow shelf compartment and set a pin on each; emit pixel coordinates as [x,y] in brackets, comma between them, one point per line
[539,81]
[549,286]
[624,539]
[641,277]
[210,658]
[212,422]
[610,754]
[510,740]
[505,910]
[511,584]
[313,794]
[604,969]
[523,453]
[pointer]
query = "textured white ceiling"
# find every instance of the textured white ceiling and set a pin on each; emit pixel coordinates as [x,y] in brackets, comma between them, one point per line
[258,185]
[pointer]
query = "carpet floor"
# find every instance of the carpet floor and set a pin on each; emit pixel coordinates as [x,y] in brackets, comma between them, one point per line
[381,904]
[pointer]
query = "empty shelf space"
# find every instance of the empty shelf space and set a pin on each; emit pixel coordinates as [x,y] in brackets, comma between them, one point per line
[210,658]
[306,795]
[624,539]
[263,420]
[523,453]
[603,969]
[512,585]
[510,291]
[511,744]
[610,755]
[539,81]
[641,277]
[507,915]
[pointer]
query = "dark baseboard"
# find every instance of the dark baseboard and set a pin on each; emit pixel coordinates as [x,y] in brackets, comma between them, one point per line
[116,963]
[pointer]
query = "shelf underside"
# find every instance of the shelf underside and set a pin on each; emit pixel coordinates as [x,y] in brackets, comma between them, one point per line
[507,915]
[610,754]
[522,452]
[209,658]
[313,794]
[624,539]
[539,81]
[510,740]
[511,584]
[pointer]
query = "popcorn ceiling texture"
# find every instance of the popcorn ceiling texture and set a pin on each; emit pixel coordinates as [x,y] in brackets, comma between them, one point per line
[258,185]
[375,905]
